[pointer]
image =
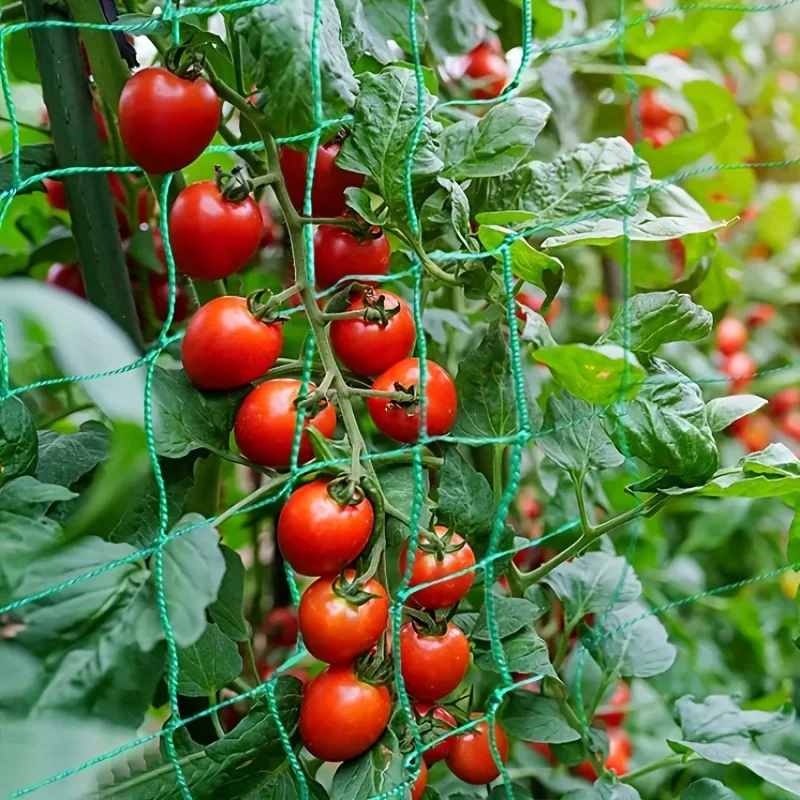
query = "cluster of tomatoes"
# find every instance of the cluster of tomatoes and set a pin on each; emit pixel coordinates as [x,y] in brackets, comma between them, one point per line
[660,125]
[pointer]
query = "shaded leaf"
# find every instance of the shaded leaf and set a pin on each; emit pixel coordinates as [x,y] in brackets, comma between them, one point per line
[30,498]
[208,665]
[708,789]
[456,26]
[465,497]
[228,609]
[33,160]
[378,770]
[66,457]
[535,718]
[18,442]
[511,615]
[524,652]
[397,483]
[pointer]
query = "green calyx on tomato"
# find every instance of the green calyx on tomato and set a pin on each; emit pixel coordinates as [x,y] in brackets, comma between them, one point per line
[233,185]
[346,491]
[440,545]
[427,623]
[264,310]
[351,589]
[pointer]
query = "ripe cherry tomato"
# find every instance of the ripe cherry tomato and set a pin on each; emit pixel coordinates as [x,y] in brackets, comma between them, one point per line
[165,121]
[619,751]
[159,295]
[471,758]
[486,66]
[433,666]
[784,400]
[756,432]
[336,630]
[338,253]
[740,368]
[317,536]
[427,567]
[394,420]
[534,302]
[443,719]
[652,112]
[213,237]
[56,194]
[760,251]
[790,424]
[327,191]
[761,314]
[370,348]
[658,137]
[677,252]
[265,424]
[418,787]
[342,716]
[281,627]
[613,713]
[731,336]
[225,346]
[67,276]
[269,231]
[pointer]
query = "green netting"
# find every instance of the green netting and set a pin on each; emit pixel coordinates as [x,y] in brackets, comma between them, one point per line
[278,489]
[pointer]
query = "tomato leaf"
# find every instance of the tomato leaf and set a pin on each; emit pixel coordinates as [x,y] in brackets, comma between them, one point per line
[64,458]
[59,245]
[187,419]
[33,160]
[358,34]
[572,436]
[456,26]
[719,717]
[208,665]
[18,441]
[385,120]
[193,570]
[647,321]
[722,411]
[499,793]
[665,426]
[397,483]
[228,609]
[30,498]
[606,788]
[465,498]
[599,374]
[524,652]
[708,789]
[535,718]
[279,39]
[378,770]
[592,583]
[495,144]
[512,614]
[487,403]
[363,203]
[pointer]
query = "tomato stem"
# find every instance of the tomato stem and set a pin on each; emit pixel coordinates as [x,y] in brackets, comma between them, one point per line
[212,701]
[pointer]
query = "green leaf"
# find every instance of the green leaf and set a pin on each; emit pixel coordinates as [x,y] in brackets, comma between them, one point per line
[58,246]
[537,331]
[719,717]
[378,770]
[524,652]
[599,374]
[527,263]
[188,419]
[486,399]
[572,436]
[359,36]
[512,614]
[535,718]
[722,411]
[665,426]
[193,570]
[721,284]
[64,458]
[397,483]
[30,498]
[495,144]
[593,583]
[777,223]
[499,793]
[33,160]
[465,498]
[364,204]
[606,788]
[208,665]
[640,649]
[18,442]
[456,26]
[280,42]
[708,789]
[228,609]
[684,150]
[645,322]
[385,120]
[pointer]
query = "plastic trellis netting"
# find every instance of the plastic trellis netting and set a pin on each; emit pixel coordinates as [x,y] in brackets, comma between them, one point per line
[523,436]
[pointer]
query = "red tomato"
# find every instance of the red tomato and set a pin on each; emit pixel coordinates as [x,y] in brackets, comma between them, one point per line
[67,276]
[613,713]
[543,749]
[740,368]
[56,194]
[761,314]
[165,121]
[281,627]
[443,718]
[759,252]
[790,424]
[225,346]
[266,420]
[327,191]
[428,568]
[433,666]
[269,231]
[342,716]
[652,112]
[489,69]
[535,302]
[784,400]
[731,336]
[334,629]
[212,237]
[619,751]
[756,433]
[338,254]
[394,420]
[658,137]
[471,758]
[159,295]
[418,787]
[317,536]
[369,348]
[677,252]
